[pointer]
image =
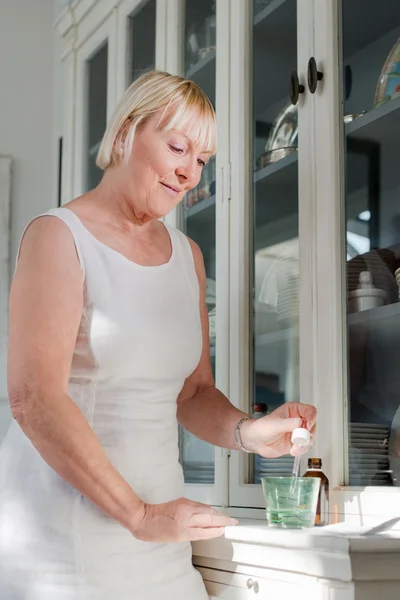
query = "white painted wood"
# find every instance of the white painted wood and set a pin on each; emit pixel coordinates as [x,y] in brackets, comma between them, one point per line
[5,266]
[107,33]
[307,207]
[161,34]
[222,219]
[241,129]
[85,25]
[332,563]
[125,10]
[330,363]
[171,43]
[67,177]
[242,493]
[352,502]
[329,315]
[269,585]
[175,37]
[217,494]
[86,16]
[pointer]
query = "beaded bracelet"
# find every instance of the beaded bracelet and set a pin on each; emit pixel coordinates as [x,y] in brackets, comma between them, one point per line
[238,437]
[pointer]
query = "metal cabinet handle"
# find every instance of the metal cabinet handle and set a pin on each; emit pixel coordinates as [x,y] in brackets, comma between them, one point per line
[253,585]
[296,88]
[313,75]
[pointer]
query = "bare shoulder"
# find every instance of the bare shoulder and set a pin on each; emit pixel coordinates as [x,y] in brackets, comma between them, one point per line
[48,241]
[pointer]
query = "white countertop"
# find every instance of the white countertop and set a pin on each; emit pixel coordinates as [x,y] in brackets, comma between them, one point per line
[340,552]
[339,537]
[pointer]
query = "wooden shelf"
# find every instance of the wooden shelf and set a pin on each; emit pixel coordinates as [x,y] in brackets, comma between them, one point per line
[375,315]
[200,65]
[201,206]
[381,124]
[274,337]
[203,73]
[276,168]
[274,7]
[277,191]
[361,26]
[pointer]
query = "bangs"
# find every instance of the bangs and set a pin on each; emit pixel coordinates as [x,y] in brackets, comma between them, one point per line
[193,114]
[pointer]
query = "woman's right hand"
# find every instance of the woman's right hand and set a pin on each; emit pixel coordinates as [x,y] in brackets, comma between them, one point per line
[180,520]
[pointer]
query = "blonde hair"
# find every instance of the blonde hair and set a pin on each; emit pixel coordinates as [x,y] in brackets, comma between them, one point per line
[186,107]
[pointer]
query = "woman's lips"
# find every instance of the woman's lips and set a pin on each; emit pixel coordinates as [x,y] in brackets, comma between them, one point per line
[172,190]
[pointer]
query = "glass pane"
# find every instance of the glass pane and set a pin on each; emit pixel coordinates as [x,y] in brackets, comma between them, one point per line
[142,35]
[197,457]
[371,67]
[96,112]
[275,234]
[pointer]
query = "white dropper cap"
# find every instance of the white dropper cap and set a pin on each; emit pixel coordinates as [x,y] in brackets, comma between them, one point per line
[300,437]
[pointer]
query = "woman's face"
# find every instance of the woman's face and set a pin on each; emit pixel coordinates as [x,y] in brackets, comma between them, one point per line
[162,168]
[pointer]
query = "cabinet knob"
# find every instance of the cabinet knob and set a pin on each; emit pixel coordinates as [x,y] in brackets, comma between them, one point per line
[253,585]
[313,75]
[296,88]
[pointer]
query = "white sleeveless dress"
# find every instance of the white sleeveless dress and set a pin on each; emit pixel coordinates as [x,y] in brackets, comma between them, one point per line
[139,338]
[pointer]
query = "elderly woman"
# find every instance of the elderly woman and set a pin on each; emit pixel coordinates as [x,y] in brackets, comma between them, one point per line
[108,349]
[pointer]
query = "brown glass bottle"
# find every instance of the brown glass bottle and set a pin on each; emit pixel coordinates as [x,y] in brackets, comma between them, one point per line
[315,470]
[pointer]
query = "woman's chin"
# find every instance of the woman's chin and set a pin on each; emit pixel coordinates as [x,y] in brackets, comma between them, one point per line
[161,211]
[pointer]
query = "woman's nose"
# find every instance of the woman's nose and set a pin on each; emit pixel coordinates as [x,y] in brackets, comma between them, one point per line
[186,172]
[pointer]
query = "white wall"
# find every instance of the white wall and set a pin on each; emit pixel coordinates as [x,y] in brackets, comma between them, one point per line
[27,116]
[26,106]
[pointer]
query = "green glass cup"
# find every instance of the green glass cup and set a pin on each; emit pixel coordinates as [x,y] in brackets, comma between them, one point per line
[291,502]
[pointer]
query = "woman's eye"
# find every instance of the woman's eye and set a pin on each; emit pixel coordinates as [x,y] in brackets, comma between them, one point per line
[175,148]
[201,163]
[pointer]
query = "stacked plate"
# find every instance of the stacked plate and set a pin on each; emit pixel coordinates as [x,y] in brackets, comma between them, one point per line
[368,454]
[288,298]
[273,467]
[397,275]
[197,472]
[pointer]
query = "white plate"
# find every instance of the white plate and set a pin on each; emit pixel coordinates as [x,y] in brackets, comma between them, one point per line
[394,453]
[364,426]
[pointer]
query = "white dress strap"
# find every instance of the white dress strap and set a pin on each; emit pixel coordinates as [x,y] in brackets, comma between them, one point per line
[71,221]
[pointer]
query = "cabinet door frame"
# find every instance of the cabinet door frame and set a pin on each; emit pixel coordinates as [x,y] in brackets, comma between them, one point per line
[127,9]
[330,316]
[105,34]
[216,493]
[242,494]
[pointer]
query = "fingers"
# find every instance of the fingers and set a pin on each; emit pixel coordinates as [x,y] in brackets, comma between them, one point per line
[306,412]
[287,425]
[208,517]
[195,534]
[309,414]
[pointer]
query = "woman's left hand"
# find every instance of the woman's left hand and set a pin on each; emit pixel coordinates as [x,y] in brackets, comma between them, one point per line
[270,436]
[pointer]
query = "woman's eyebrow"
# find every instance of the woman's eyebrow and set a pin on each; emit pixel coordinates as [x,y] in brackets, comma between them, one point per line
[189,140]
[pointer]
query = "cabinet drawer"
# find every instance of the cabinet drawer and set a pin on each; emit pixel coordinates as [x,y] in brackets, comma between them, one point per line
[227,585]
[236,586]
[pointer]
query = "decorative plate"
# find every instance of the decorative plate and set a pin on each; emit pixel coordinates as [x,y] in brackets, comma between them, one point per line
[389,80]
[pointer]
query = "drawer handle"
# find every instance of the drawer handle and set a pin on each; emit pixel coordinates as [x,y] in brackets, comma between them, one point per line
[252,585]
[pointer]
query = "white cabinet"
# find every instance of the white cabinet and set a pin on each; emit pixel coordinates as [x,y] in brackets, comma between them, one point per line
[234,586]
[298,202]
[333,563]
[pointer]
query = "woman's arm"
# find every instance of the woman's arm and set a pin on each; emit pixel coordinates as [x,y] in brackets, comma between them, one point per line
[208,414]
[46,304]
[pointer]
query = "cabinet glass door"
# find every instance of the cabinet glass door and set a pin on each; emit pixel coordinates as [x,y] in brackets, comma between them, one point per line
[275,257]
[197,457]
[96,70]
[142,40]
[371,74]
